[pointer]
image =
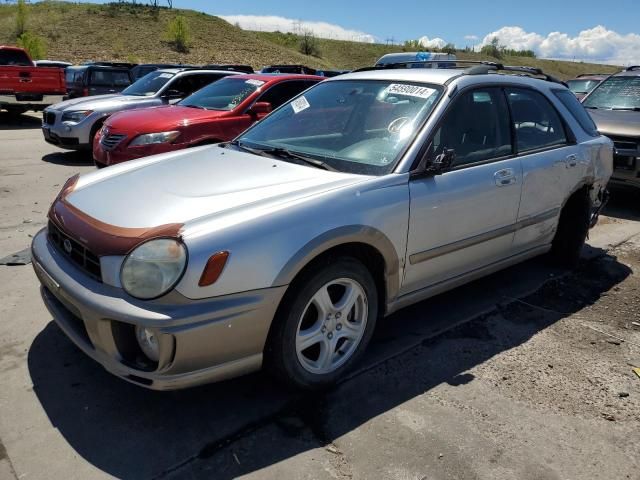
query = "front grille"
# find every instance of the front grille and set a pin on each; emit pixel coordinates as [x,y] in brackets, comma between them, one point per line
[49,118]
[88,261]
[625,143]
[111,141]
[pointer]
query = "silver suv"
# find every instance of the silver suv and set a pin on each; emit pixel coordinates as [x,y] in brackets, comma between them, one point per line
[364,194]
[73,124]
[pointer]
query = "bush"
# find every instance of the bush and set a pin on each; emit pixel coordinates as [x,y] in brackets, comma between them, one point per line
[34,44]
[21,18]
[309,44]
[178,33]
[493,48]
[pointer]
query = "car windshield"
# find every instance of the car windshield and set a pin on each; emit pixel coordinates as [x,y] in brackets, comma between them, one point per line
[225,94]
[617,93]
[582,86]
[356,126]
[149,84]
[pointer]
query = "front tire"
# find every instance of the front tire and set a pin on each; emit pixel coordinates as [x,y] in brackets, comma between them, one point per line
[573,228]
[324,324]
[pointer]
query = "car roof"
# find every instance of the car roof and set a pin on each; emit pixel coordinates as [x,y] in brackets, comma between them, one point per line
[424,75]
[195,69]
[279,77]
[628,73]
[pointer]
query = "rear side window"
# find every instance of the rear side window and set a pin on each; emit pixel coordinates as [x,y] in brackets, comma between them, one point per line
[109,78]
[576,109]
[536,123]
[283,92]
[14,57]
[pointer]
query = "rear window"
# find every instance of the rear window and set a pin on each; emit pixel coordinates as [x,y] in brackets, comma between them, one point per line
[14,57]
[576,109]
[108,78]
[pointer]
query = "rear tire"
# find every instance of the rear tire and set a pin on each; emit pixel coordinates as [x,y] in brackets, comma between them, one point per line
[572,231]
[323,325]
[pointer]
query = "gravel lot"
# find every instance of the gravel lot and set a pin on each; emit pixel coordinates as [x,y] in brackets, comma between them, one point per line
[526,374]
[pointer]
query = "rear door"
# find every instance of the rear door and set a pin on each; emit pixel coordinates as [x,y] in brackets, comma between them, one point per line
[550,162]
[464,219]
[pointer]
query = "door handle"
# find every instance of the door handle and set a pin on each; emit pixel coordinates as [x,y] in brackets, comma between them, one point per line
[505,177]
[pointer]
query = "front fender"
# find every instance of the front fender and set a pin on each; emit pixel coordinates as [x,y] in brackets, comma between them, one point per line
[340,236]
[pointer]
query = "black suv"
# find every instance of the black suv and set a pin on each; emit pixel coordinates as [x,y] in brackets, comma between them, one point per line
[97,79]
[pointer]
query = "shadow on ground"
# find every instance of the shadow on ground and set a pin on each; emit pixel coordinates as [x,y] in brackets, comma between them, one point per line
[19,122]
[624,203]
[133,433]
[69,158]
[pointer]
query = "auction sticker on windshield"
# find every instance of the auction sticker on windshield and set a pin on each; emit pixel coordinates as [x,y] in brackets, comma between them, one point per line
[410,90]
[300,104]
[257,83]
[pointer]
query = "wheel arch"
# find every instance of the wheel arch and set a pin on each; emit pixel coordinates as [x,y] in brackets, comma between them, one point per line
[369,245]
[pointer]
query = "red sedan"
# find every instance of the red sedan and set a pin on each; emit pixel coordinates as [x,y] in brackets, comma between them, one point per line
[219,112]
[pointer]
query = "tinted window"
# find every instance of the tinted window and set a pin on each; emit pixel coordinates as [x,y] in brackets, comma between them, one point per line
[108,78]
[149,84]
[537,124]
[570,101]
[14,57]
[616,93]
[476,127]
[188,84]
[225,94]
[283,92]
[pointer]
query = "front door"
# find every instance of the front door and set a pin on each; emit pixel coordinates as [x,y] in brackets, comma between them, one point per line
[464,219]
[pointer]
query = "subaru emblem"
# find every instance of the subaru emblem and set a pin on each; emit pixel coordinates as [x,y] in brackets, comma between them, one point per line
[67,246]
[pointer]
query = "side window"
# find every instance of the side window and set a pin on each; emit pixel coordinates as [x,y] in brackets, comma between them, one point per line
[572,104]
[121,79]
[283,92]
[476,127]
[203,80]
[536,122]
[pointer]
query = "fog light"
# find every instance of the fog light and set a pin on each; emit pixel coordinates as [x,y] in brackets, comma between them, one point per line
[148,342]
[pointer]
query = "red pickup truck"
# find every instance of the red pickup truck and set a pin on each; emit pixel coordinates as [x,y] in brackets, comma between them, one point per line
[23,86]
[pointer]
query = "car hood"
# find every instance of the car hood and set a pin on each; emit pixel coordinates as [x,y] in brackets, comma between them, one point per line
[196,184]
[617,123]
[100,102]
[159,119]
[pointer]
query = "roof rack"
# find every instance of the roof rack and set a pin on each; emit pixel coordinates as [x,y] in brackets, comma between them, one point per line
[592,75]
[632,68]
[110,64]
[232,67]
[477,68]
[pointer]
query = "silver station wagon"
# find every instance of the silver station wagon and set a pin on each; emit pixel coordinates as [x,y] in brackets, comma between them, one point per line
[366,193]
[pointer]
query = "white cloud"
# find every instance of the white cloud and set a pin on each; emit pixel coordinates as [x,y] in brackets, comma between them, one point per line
[597,44]
[272,23]
[473,38]
[431,43]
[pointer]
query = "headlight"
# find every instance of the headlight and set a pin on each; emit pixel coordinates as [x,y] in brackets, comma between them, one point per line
[153,268]
[151,138]
[76,117]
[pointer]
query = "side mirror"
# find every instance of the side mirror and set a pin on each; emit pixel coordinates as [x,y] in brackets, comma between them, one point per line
[260,108]
[442,163]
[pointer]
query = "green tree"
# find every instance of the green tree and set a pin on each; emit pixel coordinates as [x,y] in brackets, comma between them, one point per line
[21,18]
[493,48]
[178,33]
[35,45]
[449,48]
[309,44]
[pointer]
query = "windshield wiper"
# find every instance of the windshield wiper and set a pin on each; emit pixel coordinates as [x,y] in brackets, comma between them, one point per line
[193,106]
[591,108]
[631,109]
[284,153]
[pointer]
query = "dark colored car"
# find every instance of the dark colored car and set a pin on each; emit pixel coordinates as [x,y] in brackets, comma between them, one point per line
[300,69]
[217,113]
[141,70]
[97,79]
[614,105]
[233,67]
[331,73]
[583,84]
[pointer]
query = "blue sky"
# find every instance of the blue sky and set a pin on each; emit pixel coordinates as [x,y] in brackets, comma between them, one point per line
[462,22]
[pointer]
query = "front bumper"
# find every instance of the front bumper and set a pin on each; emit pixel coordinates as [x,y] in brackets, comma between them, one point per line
[201,341]
[72,136]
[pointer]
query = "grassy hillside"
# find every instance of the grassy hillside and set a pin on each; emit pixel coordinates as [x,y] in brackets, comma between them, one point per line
[77,32]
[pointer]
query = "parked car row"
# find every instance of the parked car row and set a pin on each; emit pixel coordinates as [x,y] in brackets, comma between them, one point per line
[356,196]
